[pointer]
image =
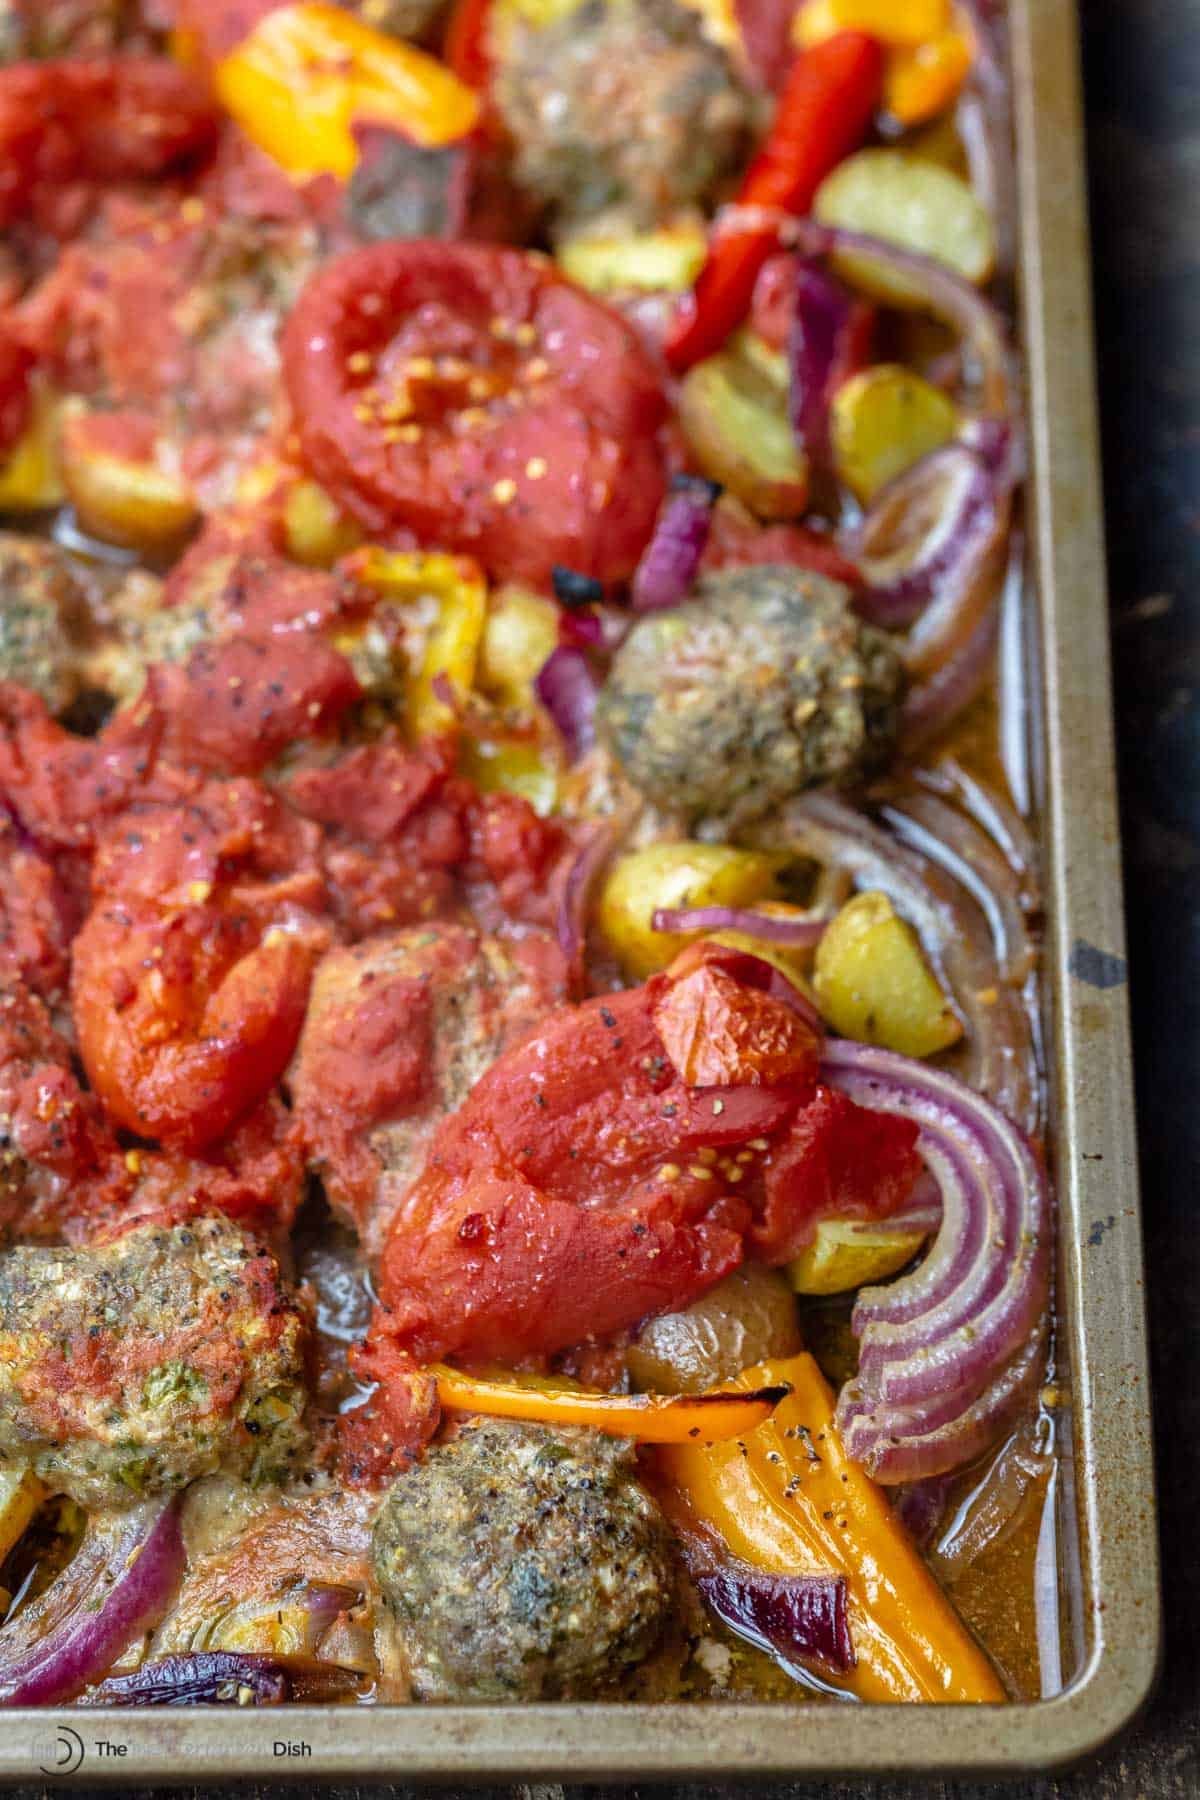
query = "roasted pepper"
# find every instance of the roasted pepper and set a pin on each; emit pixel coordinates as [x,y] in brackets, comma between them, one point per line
[648,1418]
[448,596]
[786,1498]
[308,73]
[828,101]
[929,48]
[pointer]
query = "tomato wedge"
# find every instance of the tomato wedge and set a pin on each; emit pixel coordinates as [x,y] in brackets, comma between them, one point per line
[467,395]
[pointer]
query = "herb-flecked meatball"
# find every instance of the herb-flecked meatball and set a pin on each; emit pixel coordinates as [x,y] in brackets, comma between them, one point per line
[135,1366]
[42,612]
[762,684]
[521,1563]
[621,104]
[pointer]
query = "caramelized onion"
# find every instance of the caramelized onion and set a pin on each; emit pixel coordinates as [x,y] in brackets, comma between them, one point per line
[948,1352]
[224,1678]
[118,1585]
[795,1617]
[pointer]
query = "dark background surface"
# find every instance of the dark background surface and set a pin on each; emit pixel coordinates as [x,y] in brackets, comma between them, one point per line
[1142,66]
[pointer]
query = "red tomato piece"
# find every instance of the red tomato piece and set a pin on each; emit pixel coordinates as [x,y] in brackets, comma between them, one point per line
[737,541]
[185,1018]
[236,706]
[15,364]
[104,118]
[837,1160]
[583,1185]
[720,1033]
[468,396]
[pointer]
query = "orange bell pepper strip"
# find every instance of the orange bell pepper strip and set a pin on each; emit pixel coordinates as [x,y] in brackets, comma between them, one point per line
[829,99]
[786,1498]
[648,1418]
[309,72]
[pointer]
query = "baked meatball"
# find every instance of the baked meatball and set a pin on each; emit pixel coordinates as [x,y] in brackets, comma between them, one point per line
[762,684]
[621,104]
[523,1564]
[135,1366]
[42,616]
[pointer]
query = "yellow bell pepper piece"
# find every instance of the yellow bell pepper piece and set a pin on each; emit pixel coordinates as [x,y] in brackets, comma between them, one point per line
[873,983]
[448,595]
[30,477]
[309,72]
[929,49]
[714,1416]
[21,1493]
[786,1498]
[922,81]
[893,22]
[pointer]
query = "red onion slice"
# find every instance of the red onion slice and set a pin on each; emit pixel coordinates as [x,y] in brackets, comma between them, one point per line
[568,690]
[999,1054]
[947,1352]
[224,1678]
[596,845]
[117,1586]
[672,557]
[770,927]
[793,1616]
[828,340]
[946,294]
[929,533]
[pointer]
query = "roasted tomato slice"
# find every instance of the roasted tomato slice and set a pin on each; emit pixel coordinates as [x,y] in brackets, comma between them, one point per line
[469,396]
[102,118]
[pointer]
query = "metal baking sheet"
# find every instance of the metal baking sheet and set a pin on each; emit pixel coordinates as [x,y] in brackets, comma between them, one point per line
[1108,1538]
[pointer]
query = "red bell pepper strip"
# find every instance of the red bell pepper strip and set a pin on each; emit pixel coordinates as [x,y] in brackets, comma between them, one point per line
[831,95]
[466,46]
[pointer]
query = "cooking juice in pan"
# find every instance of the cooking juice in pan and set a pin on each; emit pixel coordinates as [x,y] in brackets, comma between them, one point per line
[523,1125]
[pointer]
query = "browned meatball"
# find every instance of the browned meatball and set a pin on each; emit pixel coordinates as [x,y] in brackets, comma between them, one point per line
[37,28]
[138,1365]
[761,685]
[523,1564]
[620,104]
[399,1030]
[42,618]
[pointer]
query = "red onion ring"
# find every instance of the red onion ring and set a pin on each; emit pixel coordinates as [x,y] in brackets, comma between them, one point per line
[959,496]
[792,1616]
[930,706]
[671,559]
[948,1351]
[117,1586]
[768,926]
[999,1056]
[568,690]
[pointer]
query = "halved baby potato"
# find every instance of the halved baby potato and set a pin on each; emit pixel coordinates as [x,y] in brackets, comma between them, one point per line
[121,483]
[882,421]
[851,1253]
[734,416]
[873,983]
[681,874]
[664,261]
[909,201]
